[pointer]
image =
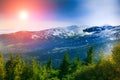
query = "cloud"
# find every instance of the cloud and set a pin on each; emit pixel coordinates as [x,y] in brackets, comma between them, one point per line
[101,12]
[16,25]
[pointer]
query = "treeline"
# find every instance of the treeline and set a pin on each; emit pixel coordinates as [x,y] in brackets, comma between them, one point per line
[107,68]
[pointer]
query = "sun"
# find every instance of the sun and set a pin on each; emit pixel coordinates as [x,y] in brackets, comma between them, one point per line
[23,15]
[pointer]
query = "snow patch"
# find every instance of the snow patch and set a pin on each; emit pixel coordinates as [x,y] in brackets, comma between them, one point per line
[35,37]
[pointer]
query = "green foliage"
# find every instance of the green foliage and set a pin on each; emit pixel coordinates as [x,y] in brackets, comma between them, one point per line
[76,64]
[101,59]
[86,73]
[105,69]
[116,54]
[10,64]
[49,64]
[90,56]
[14,68]
[2,69]
[65,66]
[26,73]
[18,68]
[116,59]
[34,70]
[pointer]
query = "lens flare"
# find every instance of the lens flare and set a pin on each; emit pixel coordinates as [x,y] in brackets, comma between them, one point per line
[23,15]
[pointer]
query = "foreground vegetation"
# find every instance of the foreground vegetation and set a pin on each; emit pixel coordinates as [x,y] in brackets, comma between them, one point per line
[104,69]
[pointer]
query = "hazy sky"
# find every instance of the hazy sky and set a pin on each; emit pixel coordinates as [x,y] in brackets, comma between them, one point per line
[43,14]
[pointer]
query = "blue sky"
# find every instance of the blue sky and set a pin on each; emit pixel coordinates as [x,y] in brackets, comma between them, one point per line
[58,13]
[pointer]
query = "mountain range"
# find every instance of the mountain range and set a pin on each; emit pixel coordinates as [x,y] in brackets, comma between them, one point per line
[54,42]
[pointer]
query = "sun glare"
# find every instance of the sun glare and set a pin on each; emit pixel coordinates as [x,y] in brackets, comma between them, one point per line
[23,15]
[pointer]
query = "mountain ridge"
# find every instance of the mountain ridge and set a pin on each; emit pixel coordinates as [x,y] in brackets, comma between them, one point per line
[54,42]
[59,39]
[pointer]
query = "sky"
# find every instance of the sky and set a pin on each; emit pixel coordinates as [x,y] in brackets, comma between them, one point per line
[45,14]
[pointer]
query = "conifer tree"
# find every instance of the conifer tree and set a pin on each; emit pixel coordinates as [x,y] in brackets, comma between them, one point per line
[65,66]
[116,54]
[116,60]
[34,70]
[76,64]
[44,73]
[101,59]
[2,70]
[10,68]
[90,56]
[49,64]
[26,72]
[18,68]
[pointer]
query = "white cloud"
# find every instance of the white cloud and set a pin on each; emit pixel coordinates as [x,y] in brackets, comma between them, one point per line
[101,12]
[16,25]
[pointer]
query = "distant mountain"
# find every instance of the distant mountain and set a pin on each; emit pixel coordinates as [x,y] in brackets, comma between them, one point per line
[54,42]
